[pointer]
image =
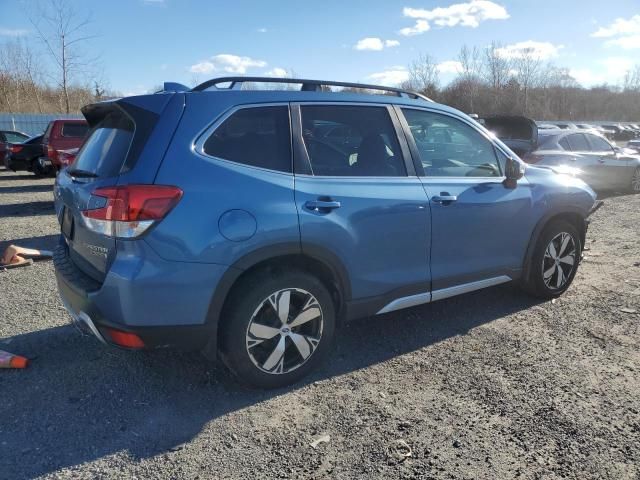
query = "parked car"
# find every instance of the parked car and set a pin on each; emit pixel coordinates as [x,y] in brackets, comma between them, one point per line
[585,154]
[66,157]
[566,125]
[10,136]
[62,135]
[25,155]
[619,133]
[634,145]
[223,219]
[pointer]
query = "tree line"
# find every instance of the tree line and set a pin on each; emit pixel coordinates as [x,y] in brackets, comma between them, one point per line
[54,74]
[490,82]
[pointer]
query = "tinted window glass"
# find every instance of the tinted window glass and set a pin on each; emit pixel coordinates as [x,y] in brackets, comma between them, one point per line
[451,148]
[258,136]
[14,137]
[578,143]
[76,130]
[564,143]
[365,144]
[599,144]
[104,152]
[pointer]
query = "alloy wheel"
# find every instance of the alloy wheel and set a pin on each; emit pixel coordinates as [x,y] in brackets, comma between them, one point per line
[559,261]
[284,331]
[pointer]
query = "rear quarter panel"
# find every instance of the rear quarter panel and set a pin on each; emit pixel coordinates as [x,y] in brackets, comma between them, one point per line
[255,205]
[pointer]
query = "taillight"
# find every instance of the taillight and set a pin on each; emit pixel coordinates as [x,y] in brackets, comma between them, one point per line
[130,210]
[51,152]
[15,148]
[125,339]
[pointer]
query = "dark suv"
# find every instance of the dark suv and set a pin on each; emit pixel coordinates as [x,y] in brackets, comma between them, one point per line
[251,223]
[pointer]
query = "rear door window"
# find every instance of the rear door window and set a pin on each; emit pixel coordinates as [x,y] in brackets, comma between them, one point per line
[578,143]
[105,151]
[254,136]
[367,145]
[74,130]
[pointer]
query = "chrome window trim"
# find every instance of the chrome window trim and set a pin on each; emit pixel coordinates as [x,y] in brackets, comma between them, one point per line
[197,144]
[422,298]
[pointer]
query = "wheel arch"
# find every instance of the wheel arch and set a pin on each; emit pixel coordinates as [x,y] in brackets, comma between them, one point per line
[573,216]
[313,259]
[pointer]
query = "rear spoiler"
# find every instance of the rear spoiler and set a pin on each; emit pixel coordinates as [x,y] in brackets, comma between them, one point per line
[173,87]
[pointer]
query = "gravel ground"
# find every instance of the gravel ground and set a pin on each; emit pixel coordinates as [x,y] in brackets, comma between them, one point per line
[490,385]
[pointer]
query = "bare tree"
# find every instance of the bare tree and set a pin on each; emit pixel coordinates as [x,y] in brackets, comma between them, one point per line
[63,32]
[496,67]
[423,75]
[528,67]
[471,66]
[632,79]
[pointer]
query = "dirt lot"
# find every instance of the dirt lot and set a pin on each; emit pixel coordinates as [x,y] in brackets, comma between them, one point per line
[490,385]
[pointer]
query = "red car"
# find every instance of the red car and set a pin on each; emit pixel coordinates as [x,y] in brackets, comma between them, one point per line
[62,135]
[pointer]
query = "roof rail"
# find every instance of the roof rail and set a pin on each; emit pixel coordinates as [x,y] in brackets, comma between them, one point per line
[235,83]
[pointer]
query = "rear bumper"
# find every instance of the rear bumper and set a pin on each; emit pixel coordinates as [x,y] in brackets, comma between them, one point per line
[93,310]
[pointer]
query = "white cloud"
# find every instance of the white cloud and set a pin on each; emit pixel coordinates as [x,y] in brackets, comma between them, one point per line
[624,33]
[13,32]
[262,30]
[154,2]
[227,63]
[626,42]
[276,72]
[538,50]
[611,70]
[620,26]
[469,14]
[449,66]
[390,76]
[375,43]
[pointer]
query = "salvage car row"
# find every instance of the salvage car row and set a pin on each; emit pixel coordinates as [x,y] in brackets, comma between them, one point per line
[583,153]
[43,154]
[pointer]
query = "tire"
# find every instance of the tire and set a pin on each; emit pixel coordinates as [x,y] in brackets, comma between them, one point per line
[634,187]
[544,279]
[38,169]
[253,334]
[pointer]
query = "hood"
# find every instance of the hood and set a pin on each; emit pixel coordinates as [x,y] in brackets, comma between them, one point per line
[519,133]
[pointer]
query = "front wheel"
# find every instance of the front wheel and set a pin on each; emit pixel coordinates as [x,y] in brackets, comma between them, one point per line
[277,328]
[635,181]
[554,261]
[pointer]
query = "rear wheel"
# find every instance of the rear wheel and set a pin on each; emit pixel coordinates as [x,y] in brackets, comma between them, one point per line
[555,260]
[277,328]
[635,181]
[38,167]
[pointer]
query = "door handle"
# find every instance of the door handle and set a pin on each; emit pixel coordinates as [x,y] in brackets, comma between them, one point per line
[322,205]
[444,199]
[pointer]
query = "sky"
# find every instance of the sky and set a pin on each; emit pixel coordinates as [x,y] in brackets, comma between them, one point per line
[142,43]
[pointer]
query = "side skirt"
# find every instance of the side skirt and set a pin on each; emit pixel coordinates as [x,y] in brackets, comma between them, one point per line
[421,298]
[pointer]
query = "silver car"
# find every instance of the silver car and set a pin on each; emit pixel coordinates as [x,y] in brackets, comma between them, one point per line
[582,153]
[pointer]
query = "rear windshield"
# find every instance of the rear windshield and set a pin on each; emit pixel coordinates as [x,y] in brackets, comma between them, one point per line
[75,130]
[104,152]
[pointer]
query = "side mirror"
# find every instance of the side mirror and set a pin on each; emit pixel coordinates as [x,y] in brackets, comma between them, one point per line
[514,171]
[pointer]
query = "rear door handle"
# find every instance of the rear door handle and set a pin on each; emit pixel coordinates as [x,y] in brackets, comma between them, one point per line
[322,205]
[444,199]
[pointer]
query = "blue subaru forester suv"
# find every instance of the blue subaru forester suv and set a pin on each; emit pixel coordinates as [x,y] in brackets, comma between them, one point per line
[249,223]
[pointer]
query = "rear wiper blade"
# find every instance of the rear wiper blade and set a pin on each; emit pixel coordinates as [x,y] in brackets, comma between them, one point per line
[82,173]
